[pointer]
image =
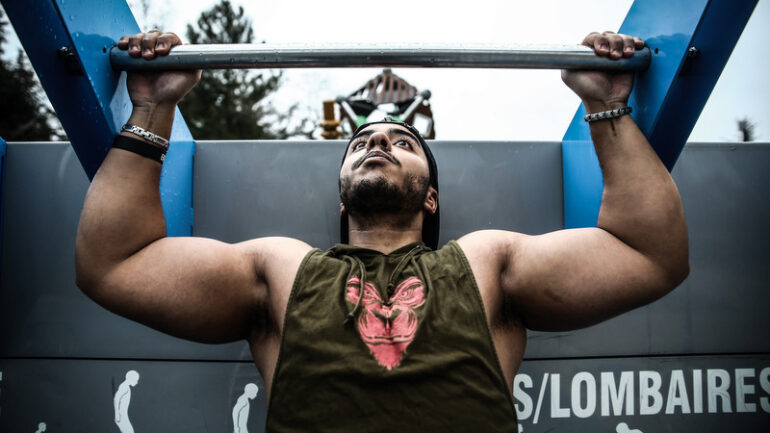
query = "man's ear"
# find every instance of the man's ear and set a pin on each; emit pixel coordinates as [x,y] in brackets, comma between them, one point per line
[431,201]
[342,209]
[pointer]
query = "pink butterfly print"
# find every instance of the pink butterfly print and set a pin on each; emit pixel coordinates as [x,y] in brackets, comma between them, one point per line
[387,328]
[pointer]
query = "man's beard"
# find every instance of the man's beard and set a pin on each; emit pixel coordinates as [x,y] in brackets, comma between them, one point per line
[369,200]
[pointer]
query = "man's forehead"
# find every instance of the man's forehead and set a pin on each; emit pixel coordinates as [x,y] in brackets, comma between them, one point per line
[389,128]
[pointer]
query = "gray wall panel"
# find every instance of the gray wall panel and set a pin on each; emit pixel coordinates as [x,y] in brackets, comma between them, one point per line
[499,185]
[76,396]
[245,190]
[250,189]
[722,306]
[42,312]
[726,193]
[653,395]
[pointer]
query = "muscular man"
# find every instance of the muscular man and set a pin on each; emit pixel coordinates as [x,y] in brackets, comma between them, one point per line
[384,333]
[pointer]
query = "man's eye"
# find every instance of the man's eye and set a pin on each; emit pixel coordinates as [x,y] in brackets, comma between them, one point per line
[403,143]
[358,145]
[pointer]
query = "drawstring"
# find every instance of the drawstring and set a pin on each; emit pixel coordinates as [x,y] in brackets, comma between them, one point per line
[400,267]
[422,274]
[362,270]
[408,258]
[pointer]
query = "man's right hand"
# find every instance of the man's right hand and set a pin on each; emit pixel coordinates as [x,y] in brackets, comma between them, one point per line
[156,89]
[602,91]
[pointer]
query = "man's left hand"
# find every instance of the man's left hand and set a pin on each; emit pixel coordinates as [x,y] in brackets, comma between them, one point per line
[604,90]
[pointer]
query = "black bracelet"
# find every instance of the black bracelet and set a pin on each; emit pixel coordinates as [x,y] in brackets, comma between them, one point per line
[140,147]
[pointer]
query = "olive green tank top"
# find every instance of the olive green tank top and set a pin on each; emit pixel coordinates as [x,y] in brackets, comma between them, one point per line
[394,342]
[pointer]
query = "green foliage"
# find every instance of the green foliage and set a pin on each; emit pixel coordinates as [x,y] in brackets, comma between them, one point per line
[2,32]
[229,104]
[24,114]
[746,128]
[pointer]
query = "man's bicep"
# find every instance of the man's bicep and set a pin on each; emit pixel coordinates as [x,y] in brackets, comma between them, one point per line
[194,288]
[575,278]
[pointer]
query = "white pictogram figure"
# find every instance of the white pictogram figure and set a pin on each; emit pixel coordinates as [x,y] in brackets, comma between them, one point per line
[40,428]
[521,429]
[623,428]
[122,400]
[241,408]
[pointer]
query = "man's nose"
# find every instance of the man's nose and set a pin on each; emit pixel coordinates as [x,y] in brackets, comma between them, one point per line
[379,139]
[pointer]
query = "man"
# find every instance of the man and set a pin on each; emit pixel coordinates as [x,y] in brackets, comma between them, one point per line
[382,333]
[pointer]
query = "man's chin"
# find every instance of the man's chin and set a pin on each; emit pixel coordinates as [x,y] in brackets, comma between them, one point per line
[376,193]
[375,175]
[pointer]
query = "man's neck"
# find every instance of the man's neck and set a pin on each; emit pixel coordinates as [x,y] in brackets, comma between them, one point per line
[384,237]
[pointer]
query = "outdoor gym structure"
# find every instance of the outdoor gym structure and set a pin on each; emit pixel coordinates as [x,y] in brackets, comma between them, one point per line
[698,360]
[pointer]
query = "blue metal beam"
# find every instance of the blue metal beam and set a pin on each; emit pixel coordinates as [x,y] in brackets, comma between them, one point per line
[667,98]
[90,99]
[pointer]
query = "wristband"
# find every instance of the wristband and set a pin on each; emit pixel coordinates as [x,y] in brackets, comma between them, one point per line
[139,147]
[609,114]
[147,135]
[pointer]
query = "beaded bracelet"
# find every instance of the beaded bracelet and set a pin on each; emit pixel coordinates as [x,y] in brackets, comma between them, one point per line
[609,114]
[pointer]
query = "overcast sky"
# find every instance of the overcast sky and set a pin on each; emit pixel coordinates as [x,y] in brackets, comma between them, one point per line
[480,104]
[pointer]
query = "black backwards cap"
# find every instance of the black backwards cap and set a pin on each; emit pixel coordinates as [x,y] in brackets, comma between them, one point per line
[430,225]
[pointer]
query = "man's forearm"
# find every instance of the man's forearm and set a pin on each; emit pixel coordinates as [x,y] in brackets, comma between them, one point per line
[122,212]
[640,204]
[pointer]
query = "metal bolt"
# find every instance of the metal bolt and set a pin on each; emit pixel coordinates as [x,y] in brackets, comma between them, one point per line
[70,59]
[693,52]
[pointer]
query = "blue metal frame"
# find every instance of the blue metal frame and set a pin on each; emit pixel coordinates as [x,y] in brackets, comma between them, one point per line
[667,98]
[90,99]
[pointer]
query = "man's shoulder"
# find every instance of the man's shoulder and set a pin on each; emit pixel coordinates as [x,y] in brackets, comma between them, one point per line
[276,245]
[275,252]
[489,241]
[490,249]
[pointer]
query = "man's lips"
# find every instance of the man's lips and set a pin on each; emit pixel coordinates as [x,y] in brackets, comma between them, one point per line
[377,155]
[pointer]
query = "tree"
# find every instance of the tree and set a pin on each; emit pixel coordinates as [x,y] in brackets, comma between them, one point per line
[24,112]
[230,103]
[746,128]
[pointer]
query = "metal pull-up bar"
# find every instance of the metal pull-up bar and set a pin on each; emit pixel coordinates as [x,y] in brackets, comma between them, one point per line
[246,56]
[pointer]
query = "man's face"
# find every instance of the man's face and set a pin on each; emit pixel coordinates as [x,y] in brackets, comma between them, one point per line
[385,170]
